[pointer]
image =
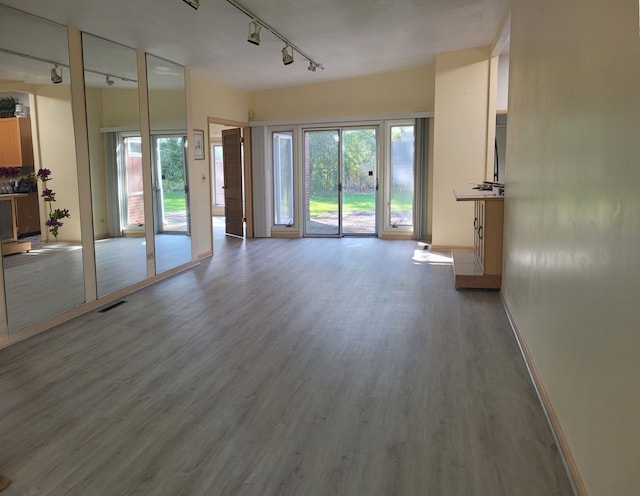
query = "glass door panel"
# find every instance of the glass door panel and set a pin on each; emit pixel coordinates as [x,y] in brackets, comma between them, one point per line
[359,181]
[171,197]
[322,180]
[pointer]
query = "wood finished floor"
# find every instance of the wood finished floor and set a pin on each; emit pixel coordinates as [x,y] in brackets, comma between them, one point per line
[281,367]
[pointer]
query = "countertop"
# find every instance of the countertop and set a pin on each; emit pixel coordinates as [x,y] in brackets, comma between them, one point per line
[475,194]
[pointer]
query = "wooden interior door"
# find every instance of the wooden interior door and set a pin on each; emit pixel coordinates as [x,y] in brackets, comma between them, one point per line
[232,165]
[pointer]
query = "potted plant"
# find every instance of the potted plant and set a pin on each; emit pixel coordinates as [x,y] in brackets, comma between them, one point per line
[7,107]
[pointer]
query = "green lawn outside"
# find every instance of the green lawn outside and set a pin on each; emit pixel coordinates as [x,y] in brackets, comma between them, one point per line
[353,202]
[318,204]
[174,202]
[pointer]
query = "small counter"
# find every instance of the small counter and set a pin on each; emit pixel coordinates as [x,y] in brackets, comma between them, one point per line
[481,267]
[474,195]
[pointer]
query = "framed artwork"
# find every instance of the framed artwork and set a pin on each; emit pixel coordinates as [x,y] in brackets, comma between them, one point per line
[198,144]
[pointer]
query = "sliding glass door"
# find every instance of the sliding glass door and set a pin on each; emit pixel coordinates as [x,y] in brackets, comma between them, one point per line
[322,182]
[340,181]
[171,200]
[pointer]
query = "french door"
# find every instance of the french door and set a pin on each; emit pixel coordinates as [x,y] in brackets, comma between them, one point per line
[341,170]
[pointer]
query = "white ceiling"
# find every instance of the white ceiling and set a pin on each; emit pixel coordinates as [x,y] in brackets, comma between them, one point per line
[349,37]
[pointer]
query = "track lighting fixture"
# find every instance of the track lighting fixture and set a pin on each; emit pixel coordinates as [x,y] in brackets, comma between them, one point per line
[56,74]
[254,37]
[254,33]
[108,80]
[287,58]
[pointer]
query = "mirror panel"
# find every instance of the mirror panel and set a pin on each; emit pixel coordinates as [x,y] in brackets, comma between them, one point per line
[113,123]
[168,125]
[42,264]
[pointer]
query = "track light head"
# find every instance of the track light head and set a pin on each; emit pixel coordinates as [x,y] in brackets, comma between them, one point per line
[254,33]
[56,74]
[312,67]
[109,80]
[287,58]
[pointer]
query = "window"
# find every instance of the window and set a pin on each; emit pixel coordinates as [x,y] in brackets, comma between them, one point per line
[131,193]
[218,174]
[283,178]
[401,173]
[134,147]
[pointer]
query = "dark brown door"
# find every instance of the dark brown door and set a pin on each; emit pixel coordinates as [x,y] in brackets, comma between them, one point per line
[232,164]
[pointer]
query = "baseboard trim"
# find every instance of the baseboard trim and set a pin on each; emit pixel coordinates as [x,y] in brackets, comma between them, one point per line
[577,484]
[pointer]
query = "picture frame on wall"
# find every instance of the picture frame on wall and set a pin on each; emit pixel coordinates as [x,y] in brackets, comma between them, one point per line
[198,144]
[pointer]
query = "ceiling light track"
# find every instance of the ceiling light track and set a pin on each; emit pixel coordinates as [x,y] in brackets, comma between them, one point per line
[256,23]
[57,65]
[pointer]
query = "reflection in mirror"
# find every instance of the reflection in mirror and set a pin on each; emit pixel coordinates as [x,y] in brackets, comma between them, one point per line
[113,124]
[168,124]
[42,272]
[501,148]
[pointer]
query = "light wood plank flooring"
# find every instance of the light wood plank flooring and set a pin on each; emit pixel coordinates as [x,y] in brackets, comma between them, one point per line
[281,367]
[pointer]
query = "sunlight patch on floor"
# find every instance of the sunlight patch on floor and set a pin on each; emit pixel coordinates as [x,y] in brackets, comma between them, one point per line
[431,258]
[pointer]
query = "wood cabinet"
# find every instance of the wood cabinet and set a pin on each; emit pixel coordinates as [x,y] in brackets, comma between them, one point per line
[8,225]
[28,214]
[481,267]
[16,144]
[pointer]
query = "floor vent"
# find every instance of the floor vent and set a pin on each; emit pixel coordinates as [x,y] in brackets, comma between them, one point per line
[111,307]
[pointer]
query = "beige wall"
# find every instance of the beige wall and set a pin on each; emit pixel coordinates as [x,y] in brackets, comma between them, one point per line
[120,108]
[390,93]
[209,99]
[57,152]
[54,148]
[167,109]
[95,119]
[573,223]
[459,141]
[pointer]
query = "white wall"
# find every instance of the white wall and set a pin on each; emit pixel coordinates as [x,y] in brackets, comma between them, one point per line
[99,199]
[459,142]
[572,236]
[503,83]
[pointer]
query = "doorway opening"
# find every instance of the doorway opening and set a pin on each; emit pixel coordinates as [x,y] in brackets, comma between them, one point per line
[230,169]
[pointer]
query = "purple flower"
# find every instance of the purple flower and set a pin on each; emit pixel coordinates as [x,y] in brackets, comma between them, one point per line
[44,174]
[48,194]
[54,223]
[10,171]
